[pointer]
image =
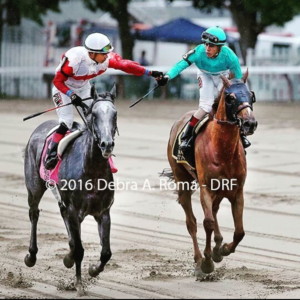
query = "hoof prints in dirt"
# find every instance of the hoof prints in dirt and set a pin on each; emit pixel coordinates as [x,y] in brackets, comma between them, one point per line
[15,279]
[263,277]
[168,269]
[69,284]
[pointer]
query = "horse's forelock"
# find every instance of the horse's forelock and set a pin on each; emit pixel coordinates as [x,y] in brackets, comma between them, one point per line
[107,95]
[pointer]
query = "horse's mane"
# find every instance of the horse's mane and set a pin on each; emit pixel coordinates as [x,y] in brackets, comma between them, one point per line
[216,103]
[218,98]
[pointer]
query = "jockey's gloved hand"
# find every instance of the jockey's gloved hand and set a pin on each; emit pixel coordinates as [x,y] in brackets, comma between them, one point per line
[77,101]
[163,81]
[157,74]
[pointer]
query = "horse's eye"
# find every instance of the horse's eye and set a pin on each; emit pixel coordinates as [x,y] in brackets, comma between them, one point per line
[230,98]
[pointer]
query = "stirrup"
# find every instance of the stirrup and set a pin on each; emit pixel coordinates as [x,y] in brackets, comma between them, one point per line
[51,162]
[184,145]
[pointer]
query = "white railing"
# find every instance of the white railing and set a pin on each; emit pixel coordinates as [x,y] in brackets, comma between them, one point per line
[280,83]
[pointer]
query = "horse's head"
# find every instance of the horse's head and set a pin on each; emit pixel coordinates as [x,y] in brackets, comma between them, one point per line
[104,120]
[239,103]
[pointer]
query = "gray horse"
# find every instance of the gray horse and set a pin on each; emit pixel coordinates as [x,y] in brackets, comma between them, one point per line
[85,160]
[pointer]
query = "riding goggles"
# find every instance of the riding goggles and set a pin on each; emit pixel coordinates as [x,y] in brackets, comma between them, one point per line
[108,48]
[207,37]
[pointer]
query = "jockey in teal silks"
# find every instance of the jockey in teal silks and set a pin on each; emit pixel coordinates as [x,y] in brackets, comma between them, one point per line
[213,59]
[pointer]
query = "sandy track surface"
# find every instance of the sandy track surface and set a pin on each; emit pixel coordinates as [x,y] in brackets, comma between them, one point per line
[152,251]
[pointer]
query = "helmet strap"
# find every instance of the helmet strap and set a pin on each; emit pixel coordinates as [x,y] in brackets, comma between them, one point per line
[93,56]
[219,50]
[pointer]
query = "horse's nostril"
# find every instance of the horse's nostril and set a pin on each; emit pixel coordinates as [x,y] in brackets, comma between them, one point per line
[246,124]
[113,144]
[103,145]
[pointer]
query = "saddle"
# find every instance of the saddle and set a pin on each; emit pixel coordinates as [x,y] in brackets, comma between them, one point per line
[188,157]
[51,176]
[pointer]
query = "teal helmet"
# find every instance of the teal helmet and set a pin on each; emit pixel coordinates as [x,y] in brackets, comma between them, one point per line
[214,35]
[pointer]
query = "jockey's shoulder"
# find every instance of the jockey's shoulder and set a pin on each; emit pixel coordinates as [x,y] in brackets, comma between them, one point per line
[77,54]
[226,50]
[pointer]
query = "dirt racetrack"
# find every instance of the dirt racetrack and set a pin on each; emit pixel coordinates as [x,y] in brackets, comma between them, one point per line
[152,250]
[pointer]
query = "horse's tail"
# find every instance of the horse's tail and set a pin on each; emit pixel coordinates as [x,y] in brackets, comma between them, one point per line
[167,172]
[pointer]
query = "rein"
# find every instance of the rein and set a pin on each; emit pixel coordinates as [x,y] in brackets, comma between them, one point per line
[238,121]
[91,128]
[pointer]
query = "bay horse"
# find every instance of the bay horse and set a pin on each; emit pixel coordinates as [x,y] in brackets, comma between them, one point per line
[84,159]
[219,155]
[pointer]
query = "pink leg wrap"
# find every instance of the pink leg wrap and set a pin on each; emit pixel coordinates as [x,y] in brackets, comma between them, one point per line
[112,166]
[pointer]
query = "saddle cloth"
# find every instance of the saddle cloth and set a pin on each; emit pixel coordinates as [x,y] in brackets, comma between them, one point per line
[188,157]
[51,176]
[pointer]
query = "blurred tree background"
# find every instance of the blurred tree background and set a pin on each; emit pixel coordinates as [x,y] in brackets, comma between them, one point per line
[12,11]
[119,11]
[253,16]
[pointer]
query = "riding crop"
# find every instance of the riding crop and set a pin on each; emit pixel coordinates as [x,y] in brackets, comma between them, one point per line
[51,109]
[136,102]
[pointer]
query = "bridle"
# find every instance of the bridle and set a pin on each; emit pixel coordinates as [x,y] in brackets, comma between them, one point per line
[232,104]
[90,124]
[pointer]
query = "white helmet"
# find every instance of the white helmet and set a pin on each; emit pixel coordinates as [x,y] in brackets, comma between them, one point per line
[99,43]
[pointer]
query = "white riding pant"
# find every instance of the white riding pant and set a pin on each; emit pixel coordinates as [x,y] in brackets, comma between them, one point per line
[210,85]
[66,114]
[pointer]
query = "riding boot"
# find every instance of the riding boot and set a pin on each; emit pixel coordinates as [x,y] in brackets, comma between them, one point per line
[185,138]
[245,141]
[187,135]
[52,157]
[112,165]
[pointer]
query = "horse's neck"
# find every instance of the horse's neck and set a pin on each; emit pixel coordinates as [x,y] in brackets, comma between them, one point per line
[92,154]
[224,136]
[221,112]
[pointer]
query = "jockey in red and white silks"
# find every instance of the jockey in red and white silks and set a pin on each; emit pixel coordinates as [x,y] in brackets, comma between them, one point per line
[77,69]
[71,83]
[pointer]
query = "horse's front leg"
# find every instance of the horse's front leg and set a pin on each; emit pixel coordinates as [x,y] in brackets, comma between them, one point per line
[185,199]
[237,207]
[104,232]
[216,256]
[207,264]
[76,253]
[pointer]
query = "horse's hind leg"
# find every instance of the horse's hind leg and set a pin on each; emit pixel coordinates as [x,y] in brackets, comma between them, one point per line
[34,201]
[104,232]
[237,207]
[76,253]
[184,180]
[216,256]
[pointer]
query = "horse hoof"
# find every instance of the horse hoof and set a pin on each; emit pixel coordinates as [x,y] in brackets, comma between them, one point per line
[216,256]
[207,266]
[68,262]
[94,271]
[224,250]
[80,292]
[30,261]
[199,273]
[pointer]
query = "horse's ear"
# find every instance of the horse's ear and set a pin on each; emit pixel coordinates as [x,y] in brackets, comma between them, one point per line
[113,91]
[231,75]
[225,81]
[93,91]
[245,76]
